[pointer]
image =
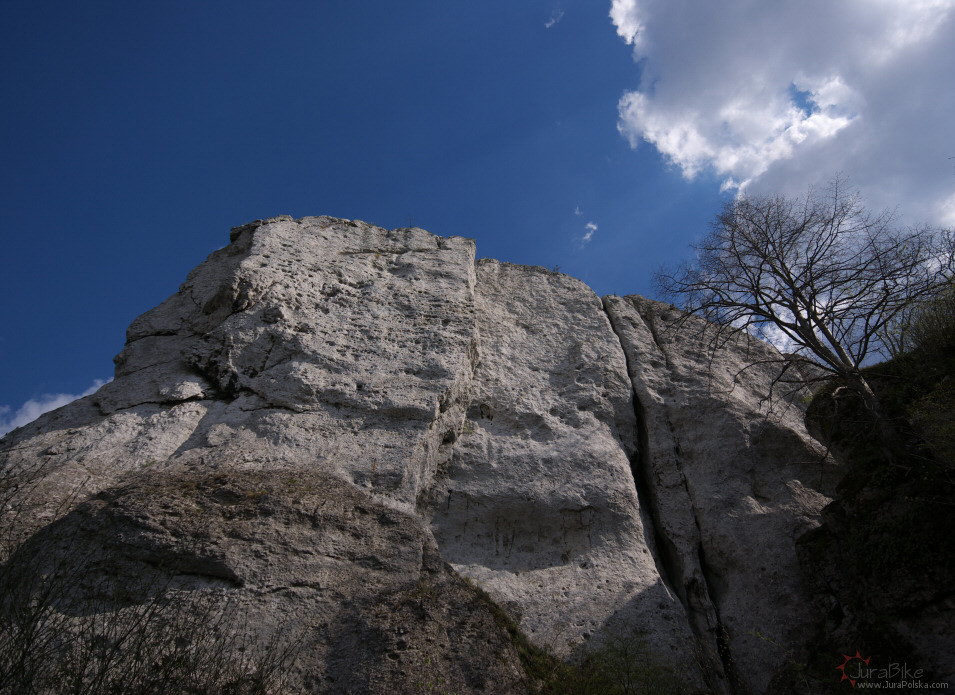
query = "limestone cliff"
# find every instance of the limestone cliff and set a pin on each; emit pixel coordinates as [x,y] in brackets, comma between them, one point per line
[330,424]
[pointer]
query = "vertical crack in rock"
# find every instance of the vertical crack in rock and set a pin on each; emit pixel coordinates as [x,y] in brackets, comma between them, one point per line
[591,474]
[437,447]
[538,506]
[446,429]
[723,646]
[665,555]
[725,478]
[695,595]
[699,601]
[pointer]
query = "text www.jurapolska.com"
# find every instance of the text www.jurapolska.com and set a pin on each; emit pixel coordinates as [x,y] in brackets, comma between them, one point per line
[900,685]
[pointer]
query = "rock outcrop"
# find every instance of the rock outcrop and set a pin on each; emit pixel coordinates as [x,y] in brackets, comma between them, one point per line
[538,503]
[346,430]
[732,480]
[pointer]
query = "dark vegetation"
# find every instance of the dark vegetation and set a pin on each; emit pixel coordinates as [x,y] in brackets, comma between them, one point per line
[882,561]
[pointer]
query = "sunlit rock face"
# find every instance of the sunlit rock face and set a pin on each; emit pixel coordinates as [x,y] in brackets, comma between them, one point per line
[538,502]
[346,430]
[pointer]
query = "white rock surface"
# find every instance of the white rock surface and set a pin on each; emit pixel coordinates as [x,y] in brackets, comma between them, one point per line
[538,504]
[492,413]
[311,342]
[731,476]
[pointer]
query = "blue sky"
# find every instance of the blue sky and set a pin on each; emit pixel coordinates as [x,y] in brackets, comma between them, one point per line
[600,136]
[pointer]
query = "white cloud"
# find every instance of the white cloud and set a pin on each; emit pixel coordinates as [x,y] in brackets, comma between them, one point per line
[555,17]
[627,17]
[948,211]
[35,407]
[777,96]
[577,211]
[588,235]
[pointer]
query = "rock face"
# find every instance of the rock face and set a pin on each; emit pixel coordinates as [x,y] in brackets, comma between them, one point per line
[730,477]
[538,502]
[330,424]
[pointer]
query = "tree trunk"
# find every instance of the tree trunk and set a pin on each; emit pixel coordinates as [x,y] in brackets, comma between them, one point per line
[885,429]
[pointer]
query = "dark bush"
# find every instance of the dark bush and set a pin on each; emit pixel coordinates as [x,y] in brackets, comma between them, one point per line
[932,327]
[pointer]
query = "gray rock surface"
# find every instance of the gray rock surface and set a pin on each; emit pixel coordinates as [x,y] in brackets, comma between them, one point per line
[328,417]
[353,591]
[733,479]
[317,340]
[538,504]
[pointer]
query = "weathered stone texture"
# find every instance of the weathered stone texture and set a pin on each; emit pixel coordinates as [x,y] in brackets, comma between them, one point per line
[357,588]
[329,416]
[317,340]
[539,504]
[731,474]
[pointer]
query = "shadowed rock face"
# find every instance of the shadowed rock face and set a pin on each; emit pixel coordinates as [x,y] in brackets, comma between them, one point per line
[731,479]
[330,422]
[300,559]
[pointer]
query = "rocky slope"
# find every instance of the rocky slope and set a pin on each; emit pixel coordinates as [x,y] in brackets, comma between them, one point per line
[345,430]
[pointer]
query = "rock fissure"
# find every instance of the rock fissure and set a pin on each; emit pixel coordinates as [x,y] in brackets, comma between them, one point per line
[666,556]
[659,545]
[569,455]
[723,645]
[119,361]
[388,251]
[155,401]
[264,365]
[701,603]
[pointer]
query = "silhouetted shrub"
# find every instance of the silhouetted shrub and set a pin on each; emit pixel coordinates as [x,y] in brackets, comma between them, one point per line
[933,325]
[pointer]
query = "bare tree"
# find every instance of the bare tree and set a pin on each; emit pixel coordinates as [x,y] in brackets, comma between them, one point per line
[818,271]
